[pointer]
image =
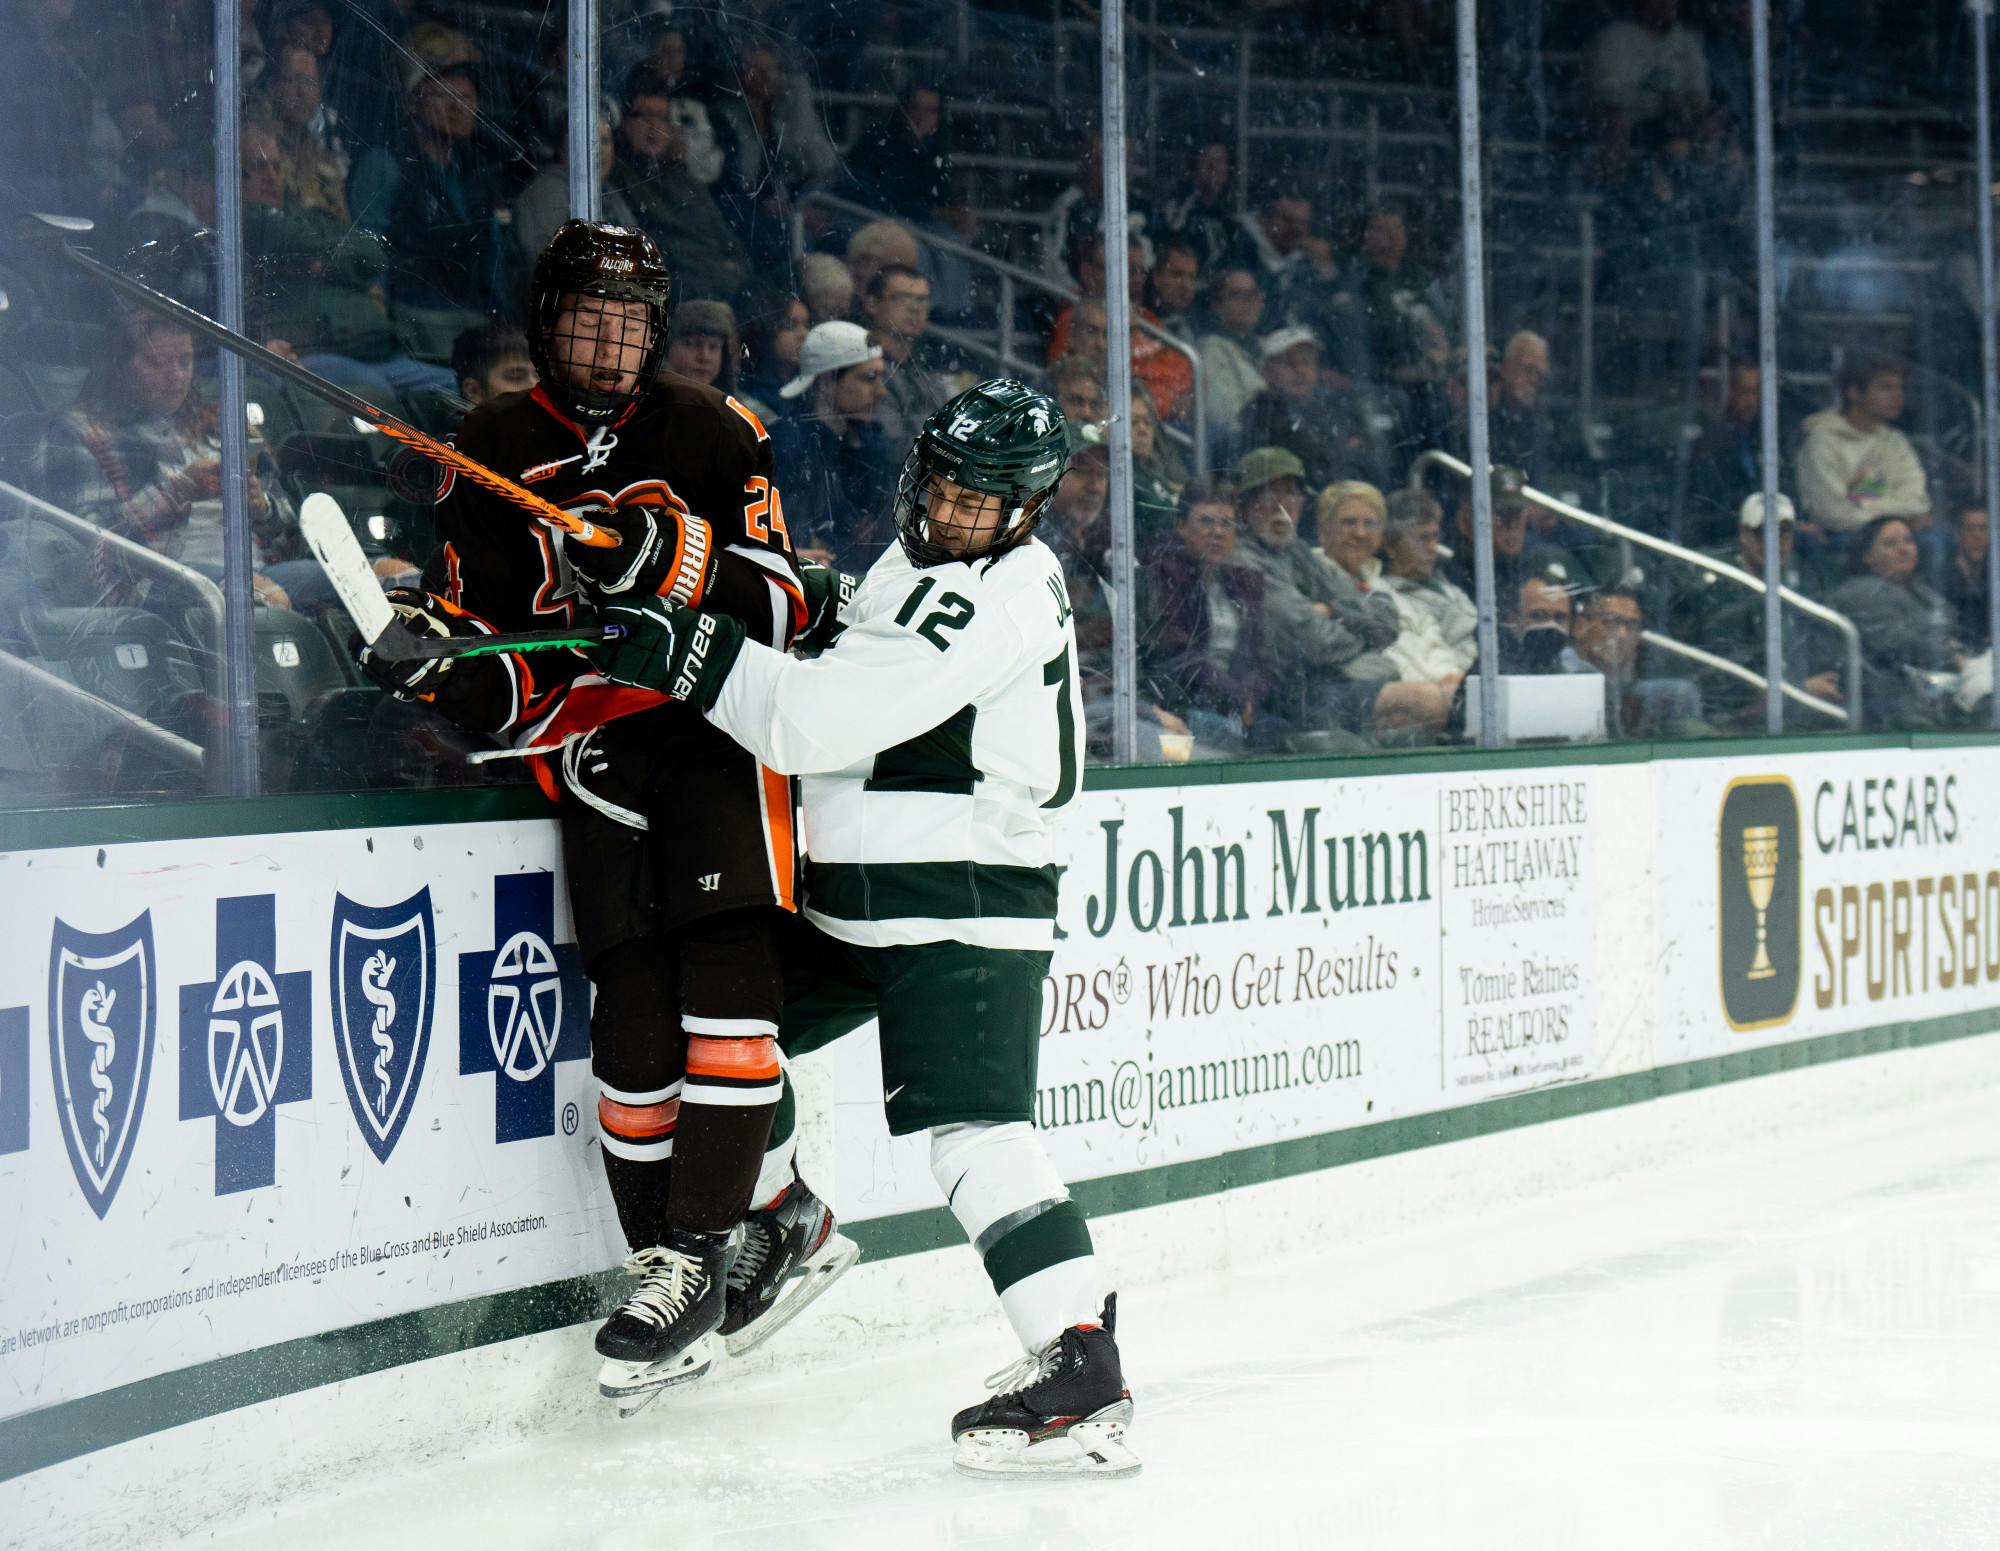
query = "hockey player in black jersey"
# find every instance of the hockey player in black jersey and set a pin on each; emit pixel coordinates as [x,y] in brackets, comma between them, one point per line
[678,845]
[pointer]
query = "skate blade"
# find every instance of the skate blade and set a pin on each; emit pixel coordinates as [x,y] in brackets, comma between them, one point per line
[818,1271]
[1095,1448]
[635,1386]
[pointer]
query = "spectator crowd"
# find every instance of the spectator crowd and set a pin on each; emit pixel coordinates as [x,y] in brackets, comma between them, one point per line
[1306,589]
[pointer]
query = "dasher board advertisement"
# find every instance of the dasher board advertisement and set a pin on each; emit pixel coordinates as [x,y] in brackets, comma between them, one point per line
[1246,964]
[1813,895]
[256,1088]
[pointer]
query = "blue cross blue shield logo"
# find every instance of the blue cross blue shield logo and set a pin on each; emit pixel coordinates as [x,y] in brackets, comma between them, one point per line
[523,1006]
[13,1079]
[102,988]
[384,989]
[246,1043]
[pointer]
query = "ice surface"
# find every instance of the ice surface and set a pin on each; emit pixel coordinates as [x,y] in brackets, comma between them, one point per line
[1794,1345]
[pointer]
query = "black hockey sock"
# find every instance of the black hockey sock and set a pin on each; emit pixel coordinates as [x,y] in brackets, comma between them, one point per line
[636,1055]
[725,1119]
[731,993]
[639,1191]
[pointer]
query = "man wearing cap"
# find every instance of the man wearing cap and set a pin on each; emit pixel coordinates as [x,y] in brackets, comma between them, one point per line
[832,459]
[1318,621]
[1516,553]
[1327,429]
[1728,619]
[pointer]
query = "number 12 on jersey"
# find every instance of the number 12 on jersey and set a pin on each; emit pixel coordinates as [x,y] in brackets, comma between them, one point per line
[953,612]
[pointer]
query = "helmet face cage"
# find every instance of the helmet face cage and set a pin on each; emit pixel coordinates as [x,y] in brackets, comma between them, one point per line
[1021,507]
[613,264]
[1000,438]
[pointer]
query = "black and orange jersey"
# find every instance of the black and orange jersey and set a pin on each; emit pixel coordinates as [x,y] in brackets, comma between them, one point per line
[681,446]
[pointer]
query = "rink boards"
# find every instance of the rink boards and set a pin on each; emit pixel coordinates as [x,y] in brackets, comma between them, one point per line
[307,1095]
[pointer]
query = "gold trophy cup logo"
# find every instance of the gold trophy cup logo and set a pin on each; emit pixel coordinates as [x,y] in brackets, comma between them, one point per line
[1760,877]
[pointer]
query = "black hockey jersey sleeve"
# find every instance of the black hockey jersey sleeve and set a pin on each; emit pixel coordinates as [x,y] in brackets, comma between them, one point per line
[757,576]
[498,565]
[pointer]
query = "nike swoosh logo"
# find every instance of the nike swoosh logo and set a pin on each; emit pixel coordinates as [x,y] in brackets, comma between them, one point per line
[890,1096]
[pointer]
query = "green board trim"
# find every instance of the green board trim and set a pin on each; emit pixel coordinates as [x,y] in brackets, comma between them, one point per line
[46,829]
[38,1439]
[42,829]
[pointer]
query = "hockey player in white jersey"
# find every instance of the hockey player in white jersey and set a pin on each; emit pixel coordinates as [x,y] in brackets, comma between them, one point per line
[939,737]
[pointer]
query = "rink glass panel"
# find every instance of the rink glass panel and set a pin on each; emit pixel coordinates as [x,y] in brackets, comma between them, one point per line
[395,187]
[1878,265]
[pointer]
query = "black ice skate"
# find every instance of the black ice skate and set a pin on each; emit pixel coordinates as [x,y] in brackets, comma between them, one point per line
[1068,1419]
[790,1254]
[660,1336]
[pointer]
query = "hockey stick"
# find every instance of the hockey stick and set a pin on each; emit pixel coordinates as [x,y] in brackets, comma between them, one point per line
[60,231]
[340,555]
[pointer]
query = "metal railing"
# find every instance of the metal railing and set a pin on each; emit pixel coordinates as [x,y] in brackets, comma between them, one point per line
[1009,279]
[17,504]
[170,746]
[1674,646]
[1721,570]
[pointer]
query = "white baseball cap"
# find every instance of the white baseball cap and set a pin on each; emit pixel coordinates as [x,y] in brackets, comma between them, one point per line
[1278,341]
[1752,513]
[829,347]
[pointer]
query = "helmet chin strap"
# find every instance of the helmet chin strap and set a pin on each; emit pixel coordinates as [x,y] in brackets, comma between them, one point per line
[582,404]
[587,405]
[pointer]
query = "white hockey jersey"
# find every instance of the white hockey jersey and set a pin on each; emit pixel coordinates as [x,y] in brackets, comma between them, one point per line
[938,740]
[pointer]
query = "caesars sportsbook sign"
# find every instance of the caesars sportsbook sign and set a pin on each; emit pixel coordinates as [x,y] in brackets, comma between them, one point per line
[1815,895]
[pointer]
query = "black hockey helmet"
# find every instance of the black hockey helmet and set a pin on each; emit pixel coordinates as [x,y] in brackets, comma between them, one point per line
[1001,437]
[591,258]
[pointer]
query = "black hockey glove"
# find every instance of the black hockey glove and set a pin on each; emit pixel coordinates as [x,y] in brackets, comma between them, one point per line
[660,552]
[428,679]
[827,592]
[681,654]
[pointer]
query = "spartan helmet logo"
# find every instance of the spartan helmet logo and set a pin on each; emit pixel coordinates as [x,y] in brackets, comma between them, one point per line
[524,1006]
[246,1044]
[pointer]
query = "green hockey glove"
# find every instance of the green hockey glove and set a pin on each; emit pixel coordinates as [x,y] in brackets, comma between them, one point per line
[681,654]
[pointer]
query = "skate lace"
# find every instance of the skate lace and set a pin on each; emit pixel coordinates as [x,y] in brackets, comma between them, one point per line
[1031,1369]
[751,1255]
[668,1283]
